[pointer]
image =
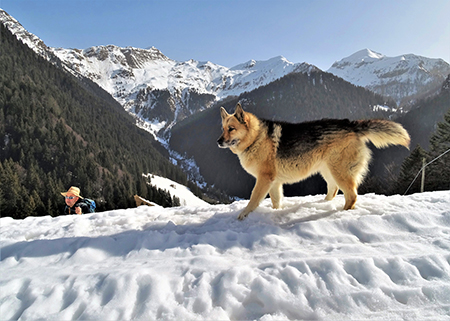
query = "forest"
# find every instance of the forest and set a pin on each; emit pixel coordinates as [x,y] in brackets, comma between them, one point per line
[433,146]
[59,131]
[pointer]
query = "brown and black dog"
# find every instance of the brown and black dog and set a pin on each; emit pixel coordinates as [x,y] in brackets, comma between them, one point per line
[278,153]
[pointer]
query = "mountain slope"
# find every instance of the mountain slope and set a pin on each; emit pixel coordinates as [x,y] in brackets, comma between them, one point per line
[58,131]
[31,40]
[405,78]
[158,91]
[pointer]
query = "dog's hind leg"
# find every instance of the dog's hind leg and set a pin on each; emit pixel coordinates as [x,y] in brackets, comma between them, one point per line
[348,170]
[348,186]
[276,195]
[348,182]
[350,195]
[331,184]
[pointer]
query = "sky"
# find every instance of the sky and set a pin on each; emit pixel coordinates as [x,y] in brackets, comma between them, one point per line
[230,32]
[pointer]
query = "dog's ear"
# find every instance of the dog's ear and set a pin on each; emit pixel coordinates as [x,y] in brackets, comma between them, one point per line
[223,113]
[239,113]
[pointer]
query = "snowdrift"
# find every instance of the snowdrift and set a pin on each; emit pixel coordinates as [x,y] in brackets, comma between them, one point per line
[387,259]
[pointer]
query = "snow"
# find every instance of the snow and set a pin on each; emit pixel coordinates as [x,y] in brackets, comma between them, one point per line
[387,259]
[396,77]
[126,73]
[184,194]
[108,66]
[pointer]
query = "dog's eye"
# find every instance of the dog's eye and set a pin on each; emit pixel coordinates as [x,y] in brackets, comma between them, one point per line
[230,129]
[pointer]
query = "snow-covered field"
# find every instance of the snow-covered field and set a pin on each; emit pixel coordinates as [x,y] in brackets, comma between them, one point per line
[387,259]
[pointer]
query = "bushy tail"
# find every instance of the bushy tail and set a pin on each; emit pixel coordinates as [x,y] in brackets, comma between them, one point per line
[383,133]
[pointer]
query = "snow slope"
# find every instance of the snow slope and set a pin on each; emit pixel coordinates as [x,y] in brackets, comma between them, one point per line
[387,259]
[184,194]
[135,78]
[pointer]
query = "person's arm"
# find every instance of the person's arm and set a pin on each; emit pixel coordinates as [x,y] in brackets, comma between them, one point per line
[81,208]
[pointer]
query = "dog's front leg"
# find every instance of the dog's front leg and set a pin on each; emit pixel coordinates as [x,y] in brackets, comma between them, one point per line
[262,187]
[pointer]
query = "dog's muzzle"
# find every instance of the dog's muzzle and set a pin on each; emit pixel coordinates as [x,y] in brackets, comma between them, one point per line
[223,144]
[220,143]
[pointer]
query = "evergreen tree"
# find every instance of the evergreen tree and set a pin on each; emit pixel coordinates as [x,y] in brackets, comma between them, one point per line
[438,172]
[409,170]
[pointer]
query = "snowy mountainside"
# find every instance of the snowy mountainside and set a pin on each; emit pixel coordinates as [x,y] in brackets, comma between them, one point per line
[403,78]
[31,40]
[144,80]
[186,197]
[156,89]
[388,259]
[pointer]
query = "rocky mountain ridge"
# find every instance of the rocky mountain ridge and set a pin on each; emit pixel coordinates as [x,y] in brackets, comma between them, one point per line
[159,91]
[404,78]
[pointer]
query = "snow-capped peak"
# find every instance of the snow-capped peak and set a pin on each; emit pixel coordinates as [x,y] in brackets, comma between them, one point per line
[23,35]
[264,64]
[358,59]
[365,54]
[403,77]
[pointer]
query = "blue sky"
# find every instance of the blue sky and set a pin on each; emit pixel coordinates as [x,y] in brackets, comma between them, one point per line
[229,32]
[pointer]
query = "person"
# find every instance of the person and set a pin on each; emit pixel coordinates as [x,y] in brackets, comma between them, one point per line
[74,202]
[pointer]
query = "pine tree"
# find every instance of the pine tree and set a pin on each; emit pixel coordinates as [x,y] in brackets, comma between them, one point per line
[438,176]
[409,170]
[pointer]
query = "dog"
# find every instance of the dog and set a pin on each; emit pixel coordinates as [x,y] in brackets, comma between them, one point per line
[278,153]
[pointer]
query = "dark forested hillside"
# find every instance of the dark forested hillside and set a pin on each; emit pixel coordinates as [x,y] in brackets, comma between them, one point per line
[296,97]
[421,122]
[429,125]
[57,131]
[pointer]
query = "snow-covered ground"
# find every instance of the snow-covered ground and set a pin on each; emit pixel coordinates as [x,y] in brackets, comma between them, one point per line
[387,259]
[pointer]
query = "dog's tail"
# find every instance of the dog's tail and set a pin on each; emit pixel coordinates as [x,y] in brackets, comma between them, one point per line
[383,133]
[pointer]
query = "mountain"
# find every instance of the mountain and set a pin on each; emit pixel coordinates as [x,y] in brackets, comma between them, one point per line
[58,130]
[155,89]
[158,90]
[161,91]
[404,78]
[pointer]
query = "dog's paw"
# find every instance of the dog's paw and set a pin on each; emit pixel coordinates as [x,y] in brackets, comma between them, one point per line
[243,215]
